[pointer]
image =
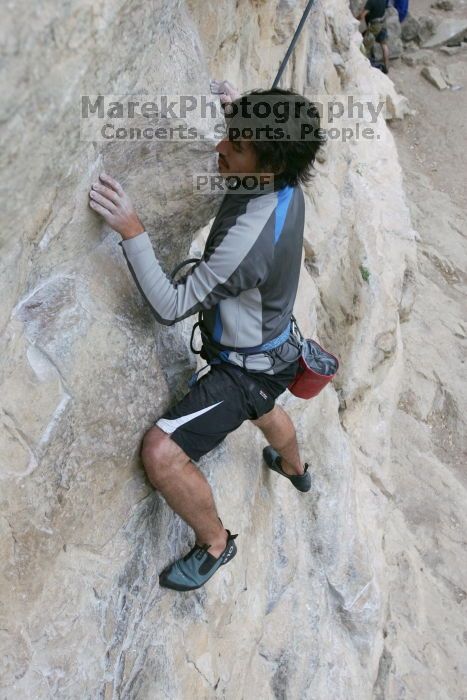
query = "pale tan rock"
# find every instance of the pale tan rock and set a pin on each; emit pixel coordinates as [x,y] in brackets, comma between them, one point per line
[445,5]
[455,73]
[418,57]
[449,31]
[337,60]
[434,76]
[427,28]
[326,594]
[452,50]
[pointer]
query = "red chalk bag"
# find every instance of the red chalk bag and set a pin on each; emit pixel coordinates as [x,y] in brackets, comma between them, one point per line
[317,367]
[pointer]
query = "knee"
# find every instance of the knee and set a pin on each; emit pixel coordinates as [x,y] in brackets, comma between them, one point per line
[267,420]
[156,454]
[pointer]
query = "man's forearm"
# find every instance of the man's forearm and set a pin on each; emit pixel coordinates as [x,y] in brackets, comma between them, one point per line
[238,262]
[168,303]
[149,277]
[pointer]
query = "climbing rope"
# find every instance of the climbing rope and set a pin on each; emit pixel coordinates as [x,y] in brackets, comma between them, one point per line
[293,42]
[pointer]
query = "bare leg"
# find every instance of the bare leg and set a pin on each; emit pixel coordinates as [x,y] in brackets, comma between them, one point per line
[385,49]
[184,487]
[279,431]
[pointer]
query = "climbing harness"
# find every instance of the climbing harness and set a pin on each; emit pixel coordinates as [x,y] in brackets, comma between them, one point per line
[214,353]
[182,264]
[317,367]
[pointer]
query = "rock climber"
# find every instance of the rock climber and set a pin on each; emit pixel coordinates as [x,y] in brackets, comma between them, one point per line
[374,14]
[245,287]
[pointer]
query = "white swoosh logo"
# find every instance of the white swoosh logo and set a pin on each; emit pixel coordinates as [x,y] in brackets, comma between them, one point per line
[169,426]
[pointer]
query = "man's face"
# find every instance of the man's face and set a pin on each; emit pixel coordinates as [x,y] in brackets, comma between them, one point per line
[236,157]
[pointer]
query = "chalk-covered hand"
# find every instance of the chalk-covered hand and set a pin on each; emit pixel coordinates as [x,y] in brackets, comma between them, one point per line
[226,91]
[108,199]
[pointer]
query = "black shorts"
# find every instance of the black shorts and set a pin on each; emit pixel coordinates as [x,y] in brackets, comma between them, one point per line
[219,402]
[382,36]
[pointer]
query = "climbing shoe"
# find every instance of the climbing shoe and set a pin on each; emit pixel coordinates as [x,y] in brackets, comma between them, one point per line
[195,568]
[302,482]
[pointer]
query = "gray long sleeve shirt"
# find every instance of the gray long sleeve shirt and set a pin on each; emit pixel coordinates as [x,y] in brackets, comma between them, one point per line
[247,279]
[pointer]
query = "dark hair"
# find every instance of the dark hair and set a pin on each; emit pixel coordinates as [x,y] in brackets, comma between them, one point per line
[292,153]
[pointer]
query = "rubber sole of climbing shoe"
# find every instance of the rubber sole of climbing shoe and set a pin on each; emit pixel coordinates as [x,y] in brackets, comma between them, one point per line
[302,482]
[196,568]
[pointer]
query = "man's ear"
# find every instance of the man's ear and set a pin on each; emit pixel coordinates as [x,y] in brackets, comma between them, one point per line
[278,169]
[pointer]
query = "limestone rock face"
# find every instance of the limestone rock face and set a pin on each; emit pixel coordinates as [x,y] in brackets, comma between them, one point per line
[450,31]
[301,611]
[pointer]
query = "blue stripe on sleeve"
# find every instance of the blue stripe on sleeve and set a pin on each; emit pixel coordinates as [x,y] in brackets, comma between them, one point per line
[283,200]
[218,327]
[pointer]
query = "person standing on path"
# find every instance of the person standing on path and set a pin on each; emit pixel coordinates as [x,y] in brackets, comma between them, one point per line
[374,14]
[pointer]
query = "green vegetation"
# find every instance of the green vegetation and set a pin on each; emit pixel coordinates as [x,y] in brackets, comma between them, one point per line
[364,272]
